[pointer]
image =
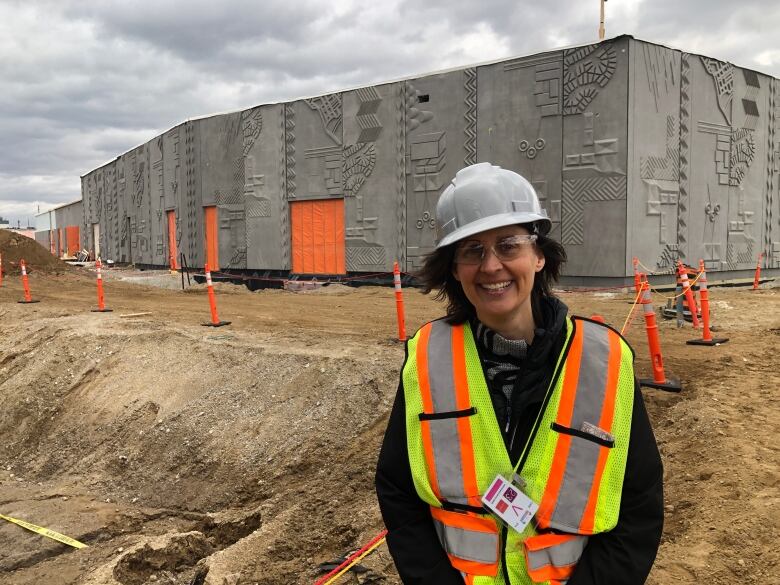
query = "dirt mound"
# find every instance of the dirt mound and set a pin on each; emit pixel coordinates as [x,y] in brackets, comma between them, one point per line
[15,247]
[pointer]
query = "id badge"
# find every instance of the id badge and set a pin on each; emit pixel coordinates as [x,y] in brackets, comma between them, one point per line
[507,501]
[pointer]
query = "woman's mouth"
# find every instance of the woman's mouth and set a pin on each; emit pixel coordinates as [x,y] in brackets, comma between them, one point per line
[495,286]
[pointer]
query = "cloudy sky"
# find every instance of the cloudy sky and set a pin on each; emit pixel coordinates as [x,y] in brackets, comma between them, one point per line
[84,81]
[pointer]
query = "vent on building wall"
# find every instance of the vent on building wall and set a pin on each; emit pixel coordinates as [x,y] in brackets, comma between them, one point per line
[423,98]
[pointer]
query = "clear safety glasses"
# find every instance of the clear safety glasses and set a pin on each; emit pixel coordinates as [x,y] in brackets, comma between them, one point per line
[505,249]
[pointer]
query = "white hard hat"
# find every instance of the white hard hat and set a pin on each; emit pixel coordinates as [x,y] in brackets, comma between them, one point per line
[482,197]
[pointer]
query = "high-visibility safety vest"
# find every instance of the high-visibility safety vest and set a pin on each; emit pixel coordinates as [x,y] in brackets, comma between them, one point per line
[572,466]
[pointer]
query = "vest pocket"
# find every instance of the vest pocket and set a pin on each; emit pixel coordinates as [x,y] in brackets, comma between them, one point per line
[552,556]
[605,440]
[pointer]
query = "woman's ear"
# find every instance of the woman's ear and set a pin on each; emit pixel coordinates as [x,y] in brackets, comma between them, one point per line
[539,261]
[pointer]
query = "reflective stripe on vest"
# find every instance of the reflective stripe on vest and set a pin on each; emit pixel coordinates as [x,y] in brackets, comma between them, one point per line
[553,556]
[471,541]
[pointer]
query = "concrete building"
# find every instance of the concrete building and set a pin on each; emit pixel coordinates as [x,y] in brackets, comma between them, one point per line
[635,149]
[59,229]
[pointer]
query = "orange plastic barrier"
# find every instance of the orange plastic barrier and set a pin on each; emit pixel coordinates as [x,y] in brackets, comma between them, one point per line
[101,300]
[686,285]
[399,302]
[26,285]
[758,271]
[215,322]
[659,379]
[706,336]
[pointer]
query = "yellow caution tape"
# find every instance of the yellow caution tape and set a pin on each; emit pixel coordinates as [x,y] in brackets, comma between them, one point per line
[45,532]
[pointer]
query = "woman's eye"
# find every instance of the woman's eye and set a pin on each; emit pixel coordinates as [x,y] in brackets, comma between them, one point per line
[507,247]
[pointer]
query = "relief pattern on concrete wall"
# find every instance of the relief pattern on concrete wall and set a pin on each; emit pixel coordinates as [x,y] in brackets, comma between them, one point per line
[772,196]
[735,150]
[576,193]
[685,156]
[426,159]
[289,151]
[191,207]
[470,131]
[284,206]
[585,71]
[400,172]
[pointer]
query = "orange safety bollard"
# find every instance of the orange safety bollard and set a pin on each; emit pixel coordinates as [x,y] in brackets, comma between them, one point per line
[659,379]
[215,322]
[686,286]
[399,302]
[26,285]
[758,271]
[101,299]
[637,279]
[706,336]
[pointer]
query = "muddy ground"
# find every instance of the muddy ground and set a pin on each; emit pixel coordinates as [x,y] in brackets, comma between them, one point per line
[183,454]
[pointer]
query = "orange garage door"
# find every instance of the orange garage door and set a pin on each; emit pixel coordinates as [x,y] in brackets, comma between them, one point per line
[318,236]
[73,235]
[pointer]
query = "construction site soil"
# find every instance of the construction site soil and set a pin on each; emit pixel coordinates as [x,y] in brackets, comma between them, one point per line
[188,455]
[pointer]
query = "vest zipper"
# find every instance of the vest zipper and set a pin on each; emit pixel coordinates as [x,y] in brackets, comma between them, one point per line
[504,570]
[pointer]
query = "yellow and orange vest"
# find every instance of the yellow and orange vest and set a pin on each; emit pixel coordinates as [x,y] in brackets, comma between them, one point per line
[573,465]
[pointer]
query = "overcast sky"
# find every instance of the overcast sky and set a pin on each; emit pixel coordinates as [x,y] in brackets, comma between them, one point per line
[84,81]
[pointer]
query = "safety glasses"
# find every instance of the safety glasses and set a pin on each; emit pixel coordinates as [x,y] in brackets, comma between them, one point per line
[505,249]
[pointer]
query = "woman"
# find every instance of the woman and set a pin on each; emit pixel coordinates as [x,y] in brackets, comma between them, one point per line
[509,392]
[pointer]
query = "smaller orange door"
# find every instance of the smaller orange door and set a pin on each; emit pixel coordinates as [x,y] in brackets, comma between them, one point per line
[172,251]
[212,251]
[73,237]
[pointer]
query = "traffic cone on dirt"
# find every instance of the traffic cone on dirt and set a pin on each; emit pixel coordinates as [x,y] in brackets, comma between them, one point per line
[101,300]
[758,271]
[215,322]
[686,285]
[706,337]
[399,302]
[26,285]
[659,379]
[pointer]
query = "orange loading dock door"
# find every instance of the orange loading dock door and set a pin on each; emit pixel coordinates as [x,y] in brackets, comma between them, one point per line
[212,246]
[318,236]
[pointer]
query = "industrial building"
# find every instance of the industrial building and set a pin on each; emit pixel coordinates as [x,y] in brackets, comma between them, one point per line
[59,229]
[636,150]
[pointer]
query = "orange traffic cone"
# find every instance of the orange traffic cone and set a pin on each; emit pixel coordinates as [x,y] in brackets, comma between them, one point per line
[659,379]
[101,301]
[215,322]
[399,302]
[758,271]
[686,286]
[706,335]
[26,285]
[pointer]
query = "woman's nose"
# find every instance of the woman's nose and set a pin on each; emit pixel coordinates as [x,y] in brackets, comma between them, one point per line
[490,262]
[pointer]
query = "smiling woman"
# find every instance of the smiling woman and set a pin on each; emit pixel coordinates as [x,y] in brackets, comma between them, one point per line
[518,450]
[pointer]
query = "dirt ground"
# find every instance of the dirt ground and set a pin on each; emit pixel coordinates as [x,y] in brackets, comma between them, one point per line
[183,454]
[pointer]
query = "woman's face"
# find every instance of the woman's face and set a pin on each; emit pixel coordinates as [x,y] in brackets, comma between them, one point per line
[500,289]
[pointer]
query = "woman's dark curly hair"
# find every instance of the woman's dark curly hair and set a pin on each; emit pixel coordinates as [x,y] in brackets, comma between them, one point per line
[437,275]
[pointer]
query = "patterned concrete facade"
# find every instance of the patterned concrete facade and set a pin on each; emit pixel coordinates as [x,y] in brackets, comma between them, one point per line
[635,149]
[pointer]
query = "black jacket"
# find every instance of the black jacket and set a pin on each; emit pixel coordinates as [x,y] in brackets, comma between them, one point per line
[622,556]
